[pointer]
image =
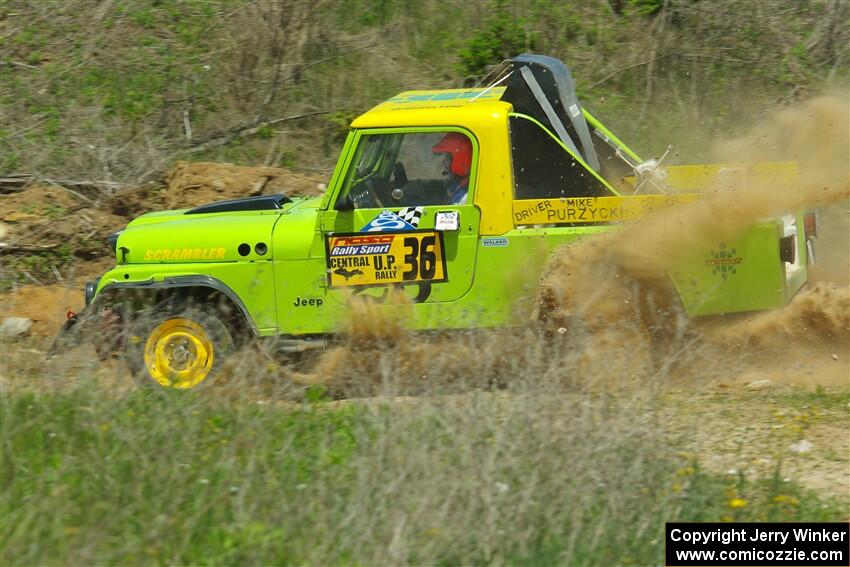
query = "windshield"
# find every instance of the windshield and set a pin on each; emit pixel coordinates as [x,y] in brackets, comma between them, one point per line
[409,169]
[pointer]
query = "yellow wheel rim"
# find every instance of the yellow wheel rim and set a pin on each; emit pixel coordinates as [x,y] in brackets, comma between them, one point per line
[178,353]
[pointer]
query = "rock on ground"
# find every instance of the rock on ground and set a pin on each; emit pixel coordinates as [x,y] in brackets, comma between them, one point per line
[15,327]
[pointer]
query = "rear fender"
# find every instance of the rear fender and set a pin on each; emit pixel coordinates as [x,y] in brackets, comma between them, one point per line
[761,268]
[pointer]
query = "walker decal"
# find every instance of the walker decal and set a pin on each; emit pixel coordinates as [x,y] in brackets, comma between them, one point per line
[497,242]
[411,256]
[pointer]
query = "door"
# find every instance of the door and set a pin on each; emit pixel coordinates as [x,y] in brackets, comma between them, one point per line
[403,217]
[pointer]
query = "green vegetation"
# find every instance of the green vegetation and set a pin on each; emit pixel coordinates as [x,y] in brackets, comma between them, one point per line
[817,400]
[37,267]
[502,37]
[123,89]
[526,479]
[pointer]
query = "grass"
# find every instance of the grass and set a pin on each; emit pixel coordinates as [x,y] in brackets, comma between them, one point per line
[39,266]
[817,399]
[528,476]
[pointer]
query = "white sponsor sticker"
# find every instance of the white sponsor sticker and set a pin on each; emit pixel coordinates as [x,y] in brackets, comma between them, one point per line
[447,220]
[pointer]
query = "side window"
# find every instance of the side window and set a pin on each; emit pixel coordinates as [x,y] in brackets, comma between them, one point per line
[543,169]
[410,169]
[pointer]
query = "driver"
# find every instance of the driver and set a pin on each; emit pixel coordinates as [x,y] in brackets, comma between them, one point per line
[457,150]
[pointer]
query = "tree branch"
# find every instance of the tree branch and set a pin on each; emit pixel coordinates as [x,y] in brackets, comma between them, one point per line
[222,138]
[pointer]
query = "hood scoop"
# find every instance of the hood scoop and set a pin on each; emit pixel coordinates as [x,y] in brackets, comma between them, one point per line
[261,203]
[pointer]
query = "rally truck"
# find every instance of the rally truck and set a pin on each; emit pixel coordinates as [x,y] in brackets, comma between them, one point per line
[453,198]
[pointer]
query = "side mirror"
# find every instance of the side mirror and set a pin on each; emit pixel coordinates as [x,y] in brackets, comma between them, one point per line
[344,204]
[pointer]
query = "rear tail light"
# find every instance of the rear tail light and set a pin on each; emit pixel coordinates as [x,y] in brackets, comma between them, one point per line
[787,248]
[810,224]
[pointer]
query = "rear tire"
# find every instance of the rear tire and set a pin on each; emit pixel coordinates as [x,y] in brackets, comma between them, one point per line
[177,349]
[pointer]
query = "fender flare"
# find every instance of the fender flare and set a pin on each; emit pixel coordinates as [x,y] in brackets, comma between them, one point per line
[178,282]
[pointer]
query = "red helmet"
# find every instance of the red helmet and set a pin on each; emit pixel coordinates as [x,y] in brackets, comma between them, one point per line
[459,148]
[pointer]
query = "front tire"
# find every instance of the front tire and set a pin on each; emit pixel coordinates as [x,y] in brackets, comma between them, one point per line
[177,349]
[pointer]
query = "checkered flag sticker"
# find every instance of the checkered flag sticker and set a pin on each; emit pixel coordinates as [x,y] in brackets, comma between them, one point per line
[412,215]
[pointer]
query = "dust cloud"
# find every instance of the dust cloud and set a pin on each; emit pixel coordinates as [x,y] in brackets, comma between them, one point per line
[619,281]
[819,315]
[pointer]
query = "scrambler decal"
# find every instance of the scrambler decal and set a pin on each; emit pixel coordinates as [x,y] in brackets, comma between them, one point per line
[359,259]
[182,254]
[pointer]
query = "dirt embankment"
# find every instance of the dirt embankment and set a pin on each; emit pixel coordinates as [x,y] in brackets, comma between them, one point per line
[52,239]
[189,184]
[50,218]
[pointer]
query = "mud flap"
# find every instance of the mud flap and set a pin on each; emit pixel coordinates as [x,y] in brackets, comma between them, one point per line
[67,338]
[87,326]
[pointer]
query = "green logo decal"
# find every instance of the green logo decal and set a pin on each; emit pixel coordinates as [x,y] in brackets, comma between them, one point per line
[724,262]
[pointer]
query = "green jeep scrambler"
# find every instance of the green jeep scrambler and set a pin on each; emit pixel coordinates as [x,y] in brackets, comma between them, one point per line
[454,197]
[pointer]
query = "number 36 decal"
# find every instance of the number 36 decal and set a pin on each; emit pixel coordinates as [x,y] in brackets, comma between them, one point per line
[367,259]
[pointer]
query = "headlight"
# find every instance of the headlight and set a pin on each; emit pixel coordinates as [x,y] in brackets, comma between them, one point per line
[112,240]
[91,287]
